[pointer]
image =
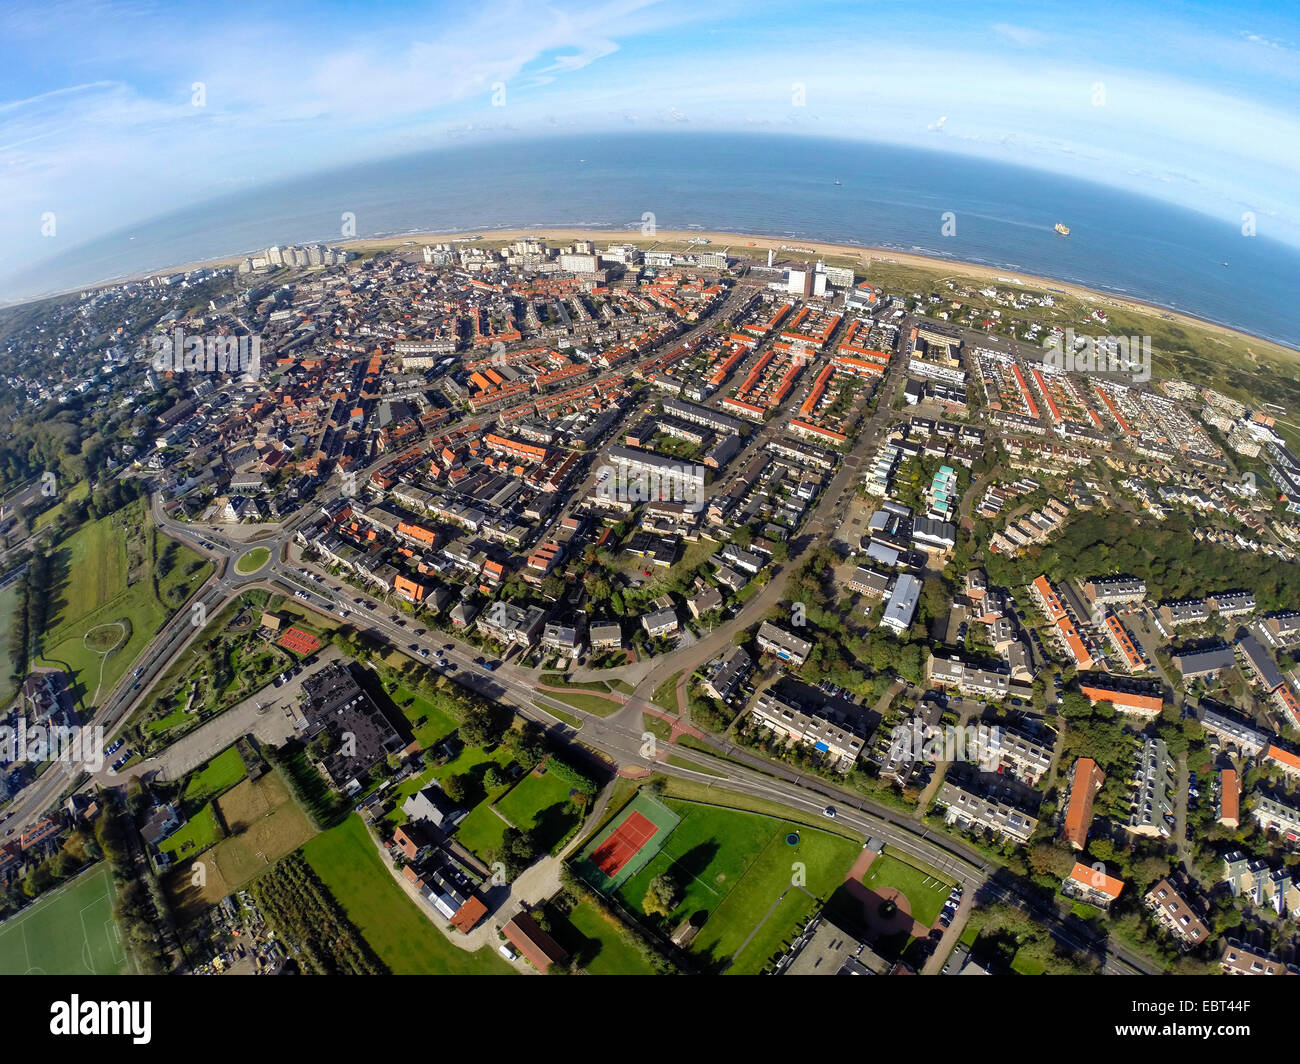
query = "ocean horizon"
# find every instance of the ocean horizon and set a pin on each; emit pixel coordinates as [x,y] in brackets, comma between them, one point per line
[890,198]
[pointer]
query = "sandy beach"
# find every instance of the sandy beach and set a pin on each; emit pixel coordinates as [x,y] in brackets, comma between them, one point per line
[752,244]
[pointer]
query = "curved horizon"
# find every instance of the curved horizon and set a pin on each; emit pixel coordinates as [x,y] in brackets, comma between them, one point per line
[1001,210]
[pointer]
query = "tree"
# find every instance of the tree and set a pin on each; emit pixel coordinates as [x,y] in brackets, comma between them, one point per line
[662,897]
[478,728]
[456,787]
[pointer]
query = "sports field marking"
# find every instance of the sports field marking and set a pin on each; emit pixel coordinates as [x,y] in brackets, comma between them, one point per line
[624,844]
[90,944]
[87,953]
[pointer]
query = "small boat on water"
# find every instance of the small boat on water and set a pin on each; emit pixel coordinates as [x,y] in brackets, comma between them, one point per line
[1062,228]
[837,182]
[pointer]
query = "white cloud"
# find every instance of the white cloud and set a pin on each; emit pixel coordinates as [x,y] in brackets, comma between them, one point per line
[1023,36]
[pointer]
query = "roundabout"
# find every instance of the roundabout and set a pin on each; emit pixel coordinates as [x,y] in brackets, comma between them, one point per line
[251,561]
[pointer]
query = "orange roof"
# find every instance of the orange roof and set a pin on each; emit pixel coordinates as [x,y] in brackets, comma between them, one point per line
[1047,595]
[1074,644]
[1124,699]
[1088,779]
[468,915]
[1284,758]
[1229,795]
[1097,880]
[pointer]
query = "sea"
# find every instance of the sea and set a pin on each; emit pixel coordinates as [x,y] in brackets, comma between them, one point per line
[775,185]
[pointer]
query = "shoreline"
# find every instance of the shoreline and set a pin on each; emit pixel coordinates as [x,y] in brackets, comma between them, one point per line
[756,243]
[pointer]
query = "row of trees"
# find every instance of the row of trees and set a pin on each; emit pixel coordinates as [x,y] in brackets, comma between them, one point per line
[301,909]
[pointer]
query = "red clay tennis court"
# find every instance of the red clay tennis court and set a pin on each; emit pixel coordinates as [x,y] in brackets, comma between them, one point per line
[623,845]
[299,642]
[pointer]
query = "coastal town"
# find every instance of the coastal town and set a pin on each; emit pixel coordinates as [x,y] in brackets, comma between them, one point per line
[641,606]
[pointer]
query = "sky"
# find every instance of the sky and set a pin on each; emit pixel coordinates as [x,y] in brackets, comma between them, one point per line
[112,113]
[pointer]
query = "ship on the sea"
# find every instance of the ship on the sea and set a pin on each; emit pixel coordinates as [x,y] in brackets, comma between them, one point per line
[1062,228]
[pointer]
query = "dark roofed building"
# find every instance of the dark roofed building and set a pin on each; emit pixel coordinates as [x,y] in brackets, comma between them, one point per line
[361,735]
[538,948]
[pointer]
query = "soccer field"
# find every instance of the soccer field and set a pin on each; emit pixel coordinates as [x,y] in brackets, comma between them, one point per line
[70,932]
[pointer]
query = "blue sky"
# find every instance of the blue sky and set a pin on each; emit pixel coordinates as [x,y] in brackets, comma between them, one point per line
[101,122]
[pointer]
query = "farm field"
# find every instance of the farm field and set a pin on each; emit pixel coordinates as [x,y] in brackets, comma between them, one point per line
[71,931]
[405,939]
[736,869]
[264,824]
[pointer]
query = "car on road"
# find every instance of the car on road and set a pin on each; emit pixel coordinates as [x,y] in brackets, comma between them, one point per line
[829,811]
[423,653]
[491,666]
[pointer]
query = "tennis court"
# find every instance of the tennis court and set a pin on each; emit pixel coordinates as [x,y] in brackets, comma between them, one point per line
[620,847]
[636,834]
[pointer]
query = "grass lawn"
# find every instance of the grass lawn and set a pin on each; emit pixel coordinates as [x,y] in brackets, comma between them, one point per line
[681,762]
[559,714]
[80,490]
[482,832]
[926,890]
[656,726]
[557,679]
[1023,965]
[601,707]
[404,938]
[192,837]
[174,719]
[70,931]
[8,610]
[734,866]
[472,761]
[541,803]
[252,560]
[105,577]
[610,948]
[665,696]
[219,774]
[428,722]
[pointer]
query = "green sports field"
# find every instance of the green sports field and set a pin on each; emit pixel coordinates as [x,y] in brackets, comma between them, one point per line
[69,932]
[664,820]
[752,879]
